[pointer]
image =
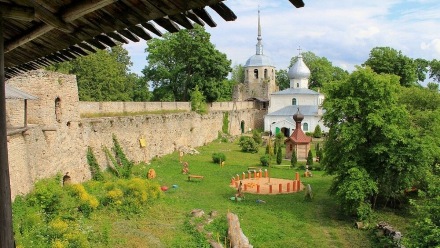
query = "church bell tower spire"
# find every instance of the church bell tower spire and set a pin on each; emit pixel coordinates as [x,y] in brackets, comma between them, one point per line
[259,44]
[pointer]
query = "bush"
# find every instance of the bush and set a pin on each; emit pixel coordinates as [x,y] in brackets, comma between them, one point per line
[248,144]
[218,157]
[265,160]
[256,135]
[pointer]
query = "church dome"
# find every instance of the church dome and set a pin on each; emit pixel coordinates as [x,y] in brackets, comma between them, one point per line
[298,117]
[299,70]
[259,60]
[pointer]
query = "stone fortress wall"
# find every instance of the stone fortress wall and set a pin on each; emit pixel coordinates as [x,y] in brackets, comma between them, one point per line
[56,138]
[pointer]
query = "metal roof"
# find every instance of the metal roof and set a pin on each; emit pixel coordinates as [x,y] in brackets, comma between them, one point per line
[306,110]
[14,93]
[291,91]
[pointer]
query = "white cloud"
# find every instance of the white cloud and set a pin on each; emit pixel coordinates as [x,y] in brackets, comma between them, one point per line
[344,31]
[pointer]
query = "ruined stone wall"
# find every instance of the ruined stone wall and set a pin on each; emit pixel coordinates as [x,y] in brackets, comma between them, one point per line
[52,144]
[120,107]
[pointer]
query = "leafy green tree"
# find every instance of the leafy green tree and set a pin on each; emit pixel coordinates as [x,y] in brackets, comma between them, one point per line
[237,74]
[390,61]
[198,101]
[317,133]
[433,86]
[434,70]
[282,79]
[279,155]
[178,62]
[321,70]
[371,134]
[103,76]
[293,159]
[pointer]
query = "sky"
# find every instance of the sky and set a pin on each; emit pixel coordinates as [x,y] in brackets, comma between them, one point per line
[342,31]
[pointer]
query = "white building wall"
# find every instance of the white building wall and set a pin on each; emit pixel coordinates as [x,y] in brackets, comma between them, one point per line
[278,102]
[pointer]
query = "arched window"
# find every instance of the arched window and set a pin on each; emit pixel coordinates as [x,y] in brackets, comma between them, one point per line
[297,85]
[58,109]
[265,74]
[294,101]
[306,127]
[256,73]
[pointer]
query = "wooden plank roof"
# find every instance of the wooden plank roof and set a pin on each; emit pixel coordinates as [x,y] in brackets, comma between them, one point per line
[41,32]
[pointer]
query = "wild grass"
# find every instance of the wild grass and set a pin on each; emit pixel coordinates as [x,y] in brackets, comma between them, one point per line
[286,220]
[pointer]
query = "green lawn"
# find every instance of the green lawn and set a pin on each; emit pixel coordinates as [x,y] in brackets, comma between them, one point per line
[283,221]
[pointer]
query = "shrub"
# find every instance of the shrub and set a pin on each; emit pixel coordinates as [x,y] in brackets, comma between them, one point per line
[121,166]
[218,157]
[279,155]
[94,166]
[198,101]
[317,133]
[248,144]
[265,160]
[225,126]
[256,135]
[310,158]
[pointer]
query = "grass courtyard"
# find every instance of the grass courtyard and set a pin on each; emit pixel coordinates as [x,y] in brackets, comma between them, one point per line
[284,220]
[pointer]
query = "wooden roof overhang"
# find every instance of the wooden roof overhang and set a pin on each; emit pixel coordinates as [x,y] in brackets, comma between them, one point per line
[37,33]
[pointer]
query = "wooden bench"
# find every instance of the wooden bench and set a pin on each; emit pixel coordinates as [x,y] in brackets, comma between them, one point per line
[194,176]
[252,168]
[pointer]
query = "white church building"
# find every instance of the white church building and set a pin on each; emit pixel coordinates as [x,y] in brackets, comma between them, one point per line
[284,104]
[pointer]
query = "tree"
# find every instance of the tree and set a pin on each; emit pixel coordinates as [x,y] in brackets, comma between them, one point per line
[237,74]
[198,101]
[180,61]
[433,86]
[317,133]
[282,79]
[293,159]
[371,134]
[434,70]
[102,76]
[390,61]
[310,158]
[279,155]
[321,70]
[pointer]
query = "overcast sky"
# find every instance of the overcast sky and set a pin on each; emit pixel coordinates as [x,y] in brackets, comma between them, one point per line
[343,31]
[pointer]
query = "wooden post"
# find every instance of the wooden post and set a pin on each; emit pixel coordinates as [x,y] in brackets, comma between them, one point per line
[294,186]
[270,188]
[280,187]
[258,188]
[6,236]
[288,187]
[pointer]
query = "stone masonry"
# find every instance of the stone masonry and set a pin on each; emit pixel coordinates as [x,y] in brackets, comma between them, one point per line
[57,138]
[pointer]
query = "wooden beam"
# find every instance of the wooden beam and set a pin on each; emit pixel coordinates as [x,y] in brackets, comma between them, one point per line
[31,35]
[297,3]
[201,12]
[150,26]
[84,7]
[129,35]
[167,24]
[182,20]
[117,37]
[49,18]
[106,40]
[6,234]
[194,17]
[226,13]
[140,32]
[19,13]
